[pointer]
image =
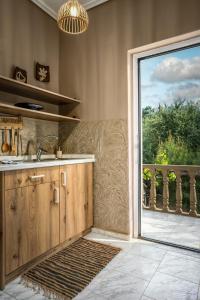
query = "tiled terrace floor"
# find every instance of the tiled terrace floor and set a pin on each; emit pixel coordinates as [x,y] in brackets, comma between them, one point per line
[142,270]
[178,229]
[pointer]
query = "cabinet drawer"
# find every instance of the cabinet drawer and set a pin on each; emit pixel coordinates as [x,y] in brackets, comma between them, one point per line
[21,178]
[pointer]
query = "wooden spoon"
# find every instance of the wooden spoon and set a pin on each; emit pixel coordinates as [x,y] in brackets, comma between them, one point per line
[5,147]
[2,138]
[13,142]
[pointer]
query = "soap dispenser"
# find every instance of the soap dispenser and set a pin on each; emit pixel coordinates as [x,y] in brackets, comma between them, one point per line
[59,153]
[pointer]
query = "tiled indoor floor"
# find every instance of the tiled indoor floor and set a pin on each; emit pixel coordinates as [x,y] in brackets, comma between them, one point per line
[142,270]
[178,229]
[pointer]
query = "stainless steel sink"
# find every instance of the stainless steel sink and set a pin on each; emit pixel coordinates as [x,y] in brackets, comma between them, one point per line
[70,158]
[38,161]
[49,160]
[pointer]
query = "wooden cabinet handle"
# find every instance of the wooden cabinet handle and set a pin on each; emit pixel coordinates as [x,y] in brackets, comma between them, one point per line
[64,178]
[36,177]
[56,195]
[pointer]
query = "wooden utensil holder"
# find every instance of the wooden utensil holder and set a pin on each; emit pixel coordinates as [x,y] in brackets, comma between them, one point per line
[11,123]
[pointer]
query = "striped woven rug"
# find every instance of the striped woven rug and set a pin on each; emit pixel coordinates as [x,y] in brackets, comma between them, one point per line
[69,271]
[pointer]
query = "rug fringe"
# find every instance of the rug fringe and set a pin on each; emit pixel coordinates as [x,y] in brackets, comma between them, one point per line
[39,289]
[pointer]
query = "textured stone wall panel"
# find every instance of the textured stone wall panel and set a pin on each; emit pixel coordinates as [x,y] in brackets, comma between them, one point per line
[108,141]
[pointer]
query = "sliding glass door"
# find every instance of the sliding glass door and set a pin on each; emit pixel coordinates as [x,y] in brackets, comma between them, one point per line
[169,97]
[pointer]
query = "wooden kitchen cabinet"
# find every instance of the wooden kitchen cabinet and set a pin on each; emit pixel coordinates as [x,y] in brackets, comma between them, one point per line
[76,200]
[40,209]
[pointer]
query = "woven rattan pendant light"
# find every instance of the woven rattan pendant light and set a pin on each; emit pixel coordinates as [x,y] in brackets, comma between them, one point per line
[72,17]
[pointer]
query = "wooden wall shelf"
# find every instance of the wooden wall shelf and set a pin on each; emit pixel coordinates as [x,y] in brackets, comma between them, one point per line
[12,86]
[18,111]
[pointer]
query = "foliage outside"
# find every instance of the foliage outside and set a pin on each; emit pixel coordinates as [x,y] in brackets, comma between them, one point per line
[171,136]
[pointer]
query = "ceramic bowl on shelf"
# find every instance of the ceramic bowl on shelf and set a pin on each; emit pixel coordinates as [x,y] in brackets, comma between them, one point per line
[28,105]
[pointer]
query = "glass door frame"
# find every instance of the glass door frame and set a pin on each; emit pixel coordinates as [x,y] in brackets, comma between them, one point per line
[135,120]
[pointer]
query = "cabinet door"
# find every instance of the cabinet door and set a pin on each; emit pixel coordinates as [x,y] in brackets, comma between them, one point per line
[81,202]
[44,216]
[76,207]
[32,223]
[16,224]
[68,196]
[89,195]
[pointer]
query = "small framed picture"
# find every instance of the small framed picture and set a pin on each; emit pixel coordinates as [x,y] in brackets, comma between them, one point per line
[20,75]
[42,73]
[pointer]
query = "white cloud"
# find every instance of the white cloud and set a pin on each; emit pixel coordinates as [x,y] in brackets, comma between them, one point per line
[147,86]
[174,69]
[188,91]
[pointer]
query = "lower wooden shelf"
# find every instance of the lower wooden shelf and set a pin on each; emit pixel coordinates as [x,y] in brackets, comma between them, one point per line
[18,111]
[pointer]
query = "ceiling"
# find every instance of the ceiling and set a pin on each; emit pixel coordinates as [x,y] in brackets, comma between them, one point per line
[51,6]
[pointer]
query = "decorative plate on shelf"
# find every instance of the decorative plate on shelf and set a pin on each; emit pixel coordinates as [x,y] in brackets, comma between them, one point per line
[28,105]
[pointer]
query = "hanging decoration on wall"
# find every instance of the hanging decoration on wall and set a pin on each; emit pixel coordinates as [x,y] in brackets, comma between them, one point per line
[42,73]
[72,17]
[20,75]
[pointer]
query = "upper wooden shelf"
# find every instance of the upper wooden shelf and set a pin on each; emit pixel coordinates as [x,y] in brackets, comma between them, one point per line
[27,90]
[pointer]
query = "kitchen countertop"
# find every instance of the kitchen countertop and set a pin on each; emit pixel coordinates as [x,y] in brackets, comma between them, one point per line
[26,162]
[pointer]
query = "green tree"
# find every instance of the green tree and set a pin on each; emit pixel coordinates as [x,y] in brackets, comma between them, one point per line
[180,120]
[172,152]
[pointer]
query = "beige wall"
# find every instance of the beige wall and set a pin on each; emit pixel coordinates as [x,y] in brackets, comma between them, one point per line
[28,35]
[93,67]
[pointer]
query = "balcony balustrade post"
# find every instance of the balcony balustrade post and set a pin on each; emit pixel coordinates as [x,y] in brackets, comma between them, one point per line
[165,190]
[193,194]
[179,193]
[153,189]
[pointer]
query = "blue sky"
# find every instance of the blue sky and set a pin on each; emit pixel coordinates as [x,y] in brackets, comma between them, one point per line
[168,77]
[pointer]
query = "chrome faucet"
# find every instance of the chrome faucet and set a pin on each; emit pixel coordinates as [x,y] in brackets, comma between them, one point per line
[39,152]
